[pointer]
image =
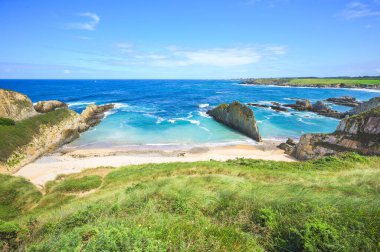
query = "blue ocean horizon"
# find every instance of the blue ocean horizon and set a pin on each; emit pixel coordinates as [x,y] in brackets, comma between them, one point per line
[173,112]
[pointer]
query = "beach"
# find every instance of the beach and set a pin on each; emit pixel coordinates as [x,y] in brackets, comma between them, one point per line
[68,161]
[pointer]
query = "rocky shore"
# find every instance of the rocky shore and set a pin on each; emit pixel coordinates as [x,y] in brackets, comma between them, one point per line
[48,136]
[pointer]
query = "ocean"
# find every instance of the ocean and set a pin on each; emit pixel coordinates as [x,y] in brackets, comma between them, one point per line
[173,112]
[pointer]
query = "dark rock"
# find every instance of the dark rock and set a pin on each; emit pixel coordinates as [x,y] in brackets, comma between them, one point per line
[238,117]
[286,147]
[344,101]
[300,105]
[48,106]
[94,114]
[291,142]
[359,133]
[257,105]
[365,106]
[279,108]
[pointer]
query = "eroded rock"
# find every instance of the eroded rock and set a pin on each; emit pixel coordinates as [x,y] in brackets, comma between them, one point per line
[344,101]
[48,106]
[238,117]
[15,106]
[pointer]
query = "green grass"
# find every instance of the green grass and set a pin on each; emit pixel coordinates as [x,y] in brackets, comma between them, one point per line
[23,132]
[78,184]
[7,122]
[333,81]
[331,204]
[16,196]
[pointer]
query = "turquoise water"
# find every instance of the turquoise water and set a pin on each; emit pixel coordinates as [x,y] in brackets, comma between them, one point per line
[173,112]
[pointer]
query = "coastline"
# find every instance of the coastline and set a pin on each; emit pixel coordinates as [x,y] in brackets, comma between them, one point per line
[68,161]
[368,88]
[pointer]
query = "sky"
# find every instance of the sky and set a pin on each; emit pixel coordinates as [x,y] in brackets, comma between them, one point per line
[188,39]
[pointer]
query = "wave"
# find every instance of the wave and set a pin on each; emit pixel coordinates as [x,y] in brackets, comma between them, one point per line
[302,121]
[79,104]
[204,114]
[205,105]
[159,119]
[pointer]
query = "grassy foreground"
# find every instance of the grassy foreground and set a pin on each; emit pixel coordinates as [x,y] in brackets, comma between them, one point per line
[331,204]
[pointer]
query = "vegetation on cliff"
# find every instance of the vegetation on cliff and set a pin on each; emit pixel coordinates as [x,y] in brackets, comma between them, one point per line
[22,132]
[329,204]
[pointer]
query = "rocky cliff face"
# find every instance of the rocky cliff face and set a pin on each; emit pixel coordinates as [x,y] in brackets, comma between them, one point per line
[238,117]
[48,137]
[15,106]
[359,133]
[365,106]
[48,106]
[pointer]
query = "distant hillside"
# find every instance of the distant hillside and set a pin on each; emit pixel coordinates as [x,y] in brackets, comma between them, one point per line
[338,82]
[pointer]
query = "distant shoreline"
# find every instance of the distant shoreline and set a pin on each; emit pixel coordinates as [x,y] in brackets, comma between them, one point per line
[351,83]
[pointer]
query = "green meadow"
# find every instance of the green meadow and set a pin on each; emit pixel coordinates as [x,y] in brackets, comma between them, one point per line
[330,204]
[333,81]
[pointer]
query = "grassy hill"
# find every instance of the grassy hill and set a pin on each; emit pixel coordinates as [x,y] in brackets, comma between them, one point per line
[363,82]
[331,204]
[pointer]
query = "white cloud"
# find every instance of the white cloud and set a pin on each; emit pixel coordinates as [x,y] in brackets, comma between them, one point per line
[66,71]
[90,25]
[358,10]
[125,47]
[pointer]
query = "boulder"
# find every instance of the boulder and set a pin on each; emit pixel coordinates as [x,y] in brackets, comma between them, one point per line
[238,117]
[365,106]
[301,105]
[359,133]
[94,114]
[320,106]
[48,106]
[344,101]
[15,106]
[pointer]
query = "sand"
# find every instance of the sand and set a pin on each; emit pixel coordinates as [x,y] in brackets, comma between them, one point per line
[67,161]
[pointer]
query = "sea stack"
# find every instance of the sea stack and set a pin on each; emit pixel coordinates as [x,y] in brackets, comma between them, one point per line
[238,117]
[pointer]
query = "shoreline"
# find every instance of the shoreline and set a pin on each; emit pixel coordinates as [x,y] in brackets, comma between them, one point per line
[368,89]
[68,161]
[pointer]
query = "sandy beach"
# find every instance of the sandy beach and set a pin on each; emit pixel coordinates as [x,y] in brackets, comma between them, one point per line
[67,161]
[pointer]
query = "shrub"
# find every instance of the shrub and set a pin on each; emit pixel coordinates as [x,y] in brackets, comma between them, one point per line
[10,235]
[7,122]
[320,236]
[77,185]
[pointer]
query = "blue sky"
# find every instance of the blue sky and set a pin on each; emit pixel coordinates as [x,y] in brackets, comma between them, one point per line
[188,38]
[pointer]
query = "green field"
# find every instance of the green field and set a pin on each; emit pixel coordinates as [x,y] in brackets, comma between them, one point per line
[348,82]
[331,204]
[20,134]
[319,82]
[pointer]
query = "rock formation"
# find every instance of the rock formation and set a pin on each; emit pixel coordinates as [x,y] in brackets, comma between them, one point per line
[238,117]
[288,146]
[301,105]
[344,101]
[15,106]
[48,106]
[94,114]
[48,137]
[365,106]
[319,107]
[275,106]
[359,133]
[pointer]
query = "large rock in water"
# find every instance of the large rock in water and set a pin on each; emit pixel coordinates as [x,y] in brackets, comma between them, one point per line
[359,133]
[48,106]
[94,114]
[238,117]
[15,106]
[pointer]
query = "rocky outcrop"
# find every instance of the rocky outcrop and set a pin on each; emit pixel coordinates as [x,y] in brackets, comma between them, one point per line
[365,106]
[275,106]
[300,105]
[94,114]
[288,146]
[359,133]
[48,106]
[48,139]
[347,101]
[238,117]
[15,106]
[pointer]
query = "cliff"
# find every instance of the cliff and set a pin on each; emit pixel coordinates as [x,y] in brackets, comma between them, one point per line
[238,117]
[15,106]
[359,133]
[26,140]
